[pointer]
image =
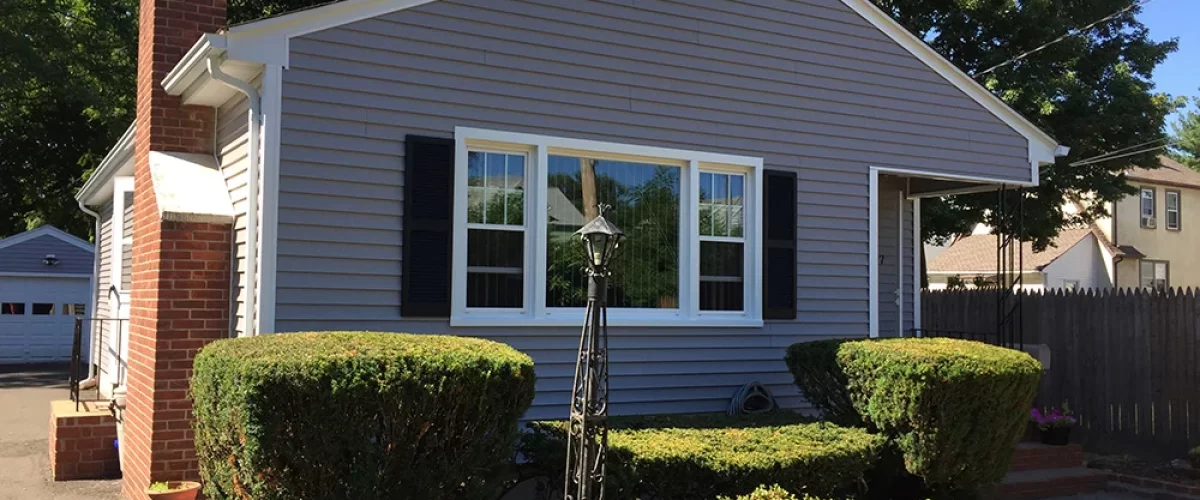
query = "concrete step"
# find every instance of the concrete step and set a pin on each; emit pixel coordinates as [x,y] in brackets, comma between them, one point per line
[1050,483]
[1037,456]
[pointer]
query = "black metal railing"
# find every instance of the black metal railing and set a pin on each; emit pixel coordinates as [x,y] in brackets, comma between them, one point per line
[103,359]
[1010,267]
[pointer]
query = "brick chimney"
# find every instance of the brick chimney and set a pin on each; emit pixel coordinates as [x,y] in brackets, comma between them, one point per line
[180,290]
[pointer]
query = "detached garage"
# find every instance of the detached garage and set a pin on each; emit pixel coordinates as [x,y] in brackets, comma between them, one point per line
[45,282]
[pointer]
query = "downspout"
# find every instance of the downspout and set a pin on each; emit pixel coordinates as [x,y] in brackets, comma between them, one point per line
[95,272]
[253,147]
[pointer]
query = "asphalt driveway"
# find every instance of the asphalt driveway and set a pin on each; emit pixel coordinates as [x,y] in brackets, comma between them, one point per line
[25,395]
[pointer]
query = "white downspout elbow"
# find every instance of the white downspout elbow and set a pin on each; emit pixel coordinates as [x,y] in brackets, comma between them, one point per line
[253,145]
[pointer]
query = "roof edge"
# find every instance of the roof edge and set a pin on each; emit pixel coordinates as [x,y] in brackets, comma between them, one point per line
[46,230]
[109,166]
[192,65]
[1081,239]
[1043,148]
[266,41]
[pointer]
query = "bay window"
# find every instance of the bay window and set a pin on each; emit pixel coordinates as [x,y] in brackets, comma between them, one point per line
[691,252]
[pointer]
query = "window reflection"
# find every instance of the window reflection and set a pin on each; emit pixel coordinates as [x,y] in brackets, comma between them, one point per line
[645,204]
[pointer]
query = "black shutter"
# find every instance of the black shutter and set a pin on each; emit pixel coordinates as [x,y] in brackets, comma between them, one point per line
[779,253]
[428,226]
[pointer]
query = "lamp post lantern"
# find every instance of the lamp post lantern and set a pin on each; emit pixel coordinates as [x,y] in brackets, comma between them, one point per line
[587,440]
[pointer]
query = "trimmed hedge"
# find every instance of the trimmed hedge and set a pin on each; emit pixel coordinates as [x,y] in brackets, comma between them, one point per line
[814,366]
[703,457]
[955,408]
[356,415]
[774,492]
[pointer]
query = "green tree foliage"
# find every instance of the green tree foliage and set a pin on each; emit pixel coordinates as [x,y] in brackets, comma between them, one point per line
[1187,136]
[1091,92]
[66,94]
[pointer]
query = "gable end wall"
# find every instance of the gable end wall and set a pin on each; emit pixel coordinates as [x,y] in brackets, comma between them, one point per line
[808,85]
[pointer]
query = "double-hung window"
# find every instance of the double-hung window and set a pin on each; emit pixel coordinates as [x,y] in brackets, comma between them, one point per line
[1149,219]
[692,245]
[1172,202]
[1155,274]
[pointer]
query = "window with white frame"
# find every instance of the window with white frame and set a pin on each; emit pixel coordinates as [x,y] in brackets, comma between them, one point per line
[1155,274]
[1149,217]
[691,222]
[1173,221]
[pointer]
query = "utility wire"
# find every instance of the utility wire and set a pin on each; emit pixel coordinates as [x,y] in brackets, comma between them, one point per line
[1147,150]
[1119,151]
[1066,35]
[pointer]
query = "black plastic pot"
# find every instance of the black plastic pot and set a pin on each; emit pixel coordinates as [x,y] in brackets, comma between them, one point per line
[1056,436]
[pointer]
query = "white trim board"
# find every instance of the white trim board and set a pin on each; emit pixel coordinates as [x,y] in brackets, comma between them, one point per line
[46,231]
[917,254]
[272,86]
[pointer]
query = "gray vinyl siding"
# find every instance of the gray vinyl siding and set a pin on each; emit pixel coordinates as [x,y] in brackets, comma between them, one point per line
[888,255]
[232,152]
[27,257]
[895,256]
[807,85]
[101,329]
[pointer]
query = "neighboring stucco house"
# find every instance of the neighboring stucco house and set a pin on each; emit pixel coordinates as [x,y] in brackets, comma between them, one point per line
[1145,242]
[1156,229]
[418,166]
[45,275]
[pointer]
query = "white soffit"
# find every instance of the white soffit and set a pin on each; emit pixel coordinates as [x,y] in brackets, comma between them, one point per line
[189,188]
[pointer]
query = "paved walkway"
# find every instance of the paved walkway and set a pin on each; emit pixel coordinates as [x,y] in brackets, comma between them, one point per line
[25,395]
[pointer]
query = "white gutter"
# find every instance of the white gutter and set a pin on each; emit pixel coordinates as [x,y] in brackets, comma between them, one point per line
[107,167]
[255,102]
[92,282]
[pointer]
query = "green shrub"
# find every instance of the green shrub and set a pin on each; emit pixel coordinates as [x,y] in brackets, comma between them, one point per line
[356,415]
[954,408]
[703,457]
[815,368]
[773,492]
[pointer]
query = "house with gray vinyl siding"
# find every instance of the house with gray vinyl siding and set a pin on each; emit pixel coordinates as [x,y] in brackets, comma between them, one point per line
[418,166]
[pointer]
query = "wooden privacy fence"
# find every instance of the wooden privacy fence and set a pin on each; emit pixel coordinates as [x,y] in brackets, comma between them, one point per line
[1126,361]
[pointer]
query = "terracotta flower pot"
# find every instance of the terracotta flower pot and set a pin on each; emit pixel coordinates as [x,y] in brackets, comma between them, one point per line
[1056,436]
[179,490]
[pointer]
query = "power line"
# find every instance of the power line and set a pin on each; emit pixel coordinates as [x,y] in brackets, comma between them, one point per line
[1147,150]
[1119,151]
[1066,35]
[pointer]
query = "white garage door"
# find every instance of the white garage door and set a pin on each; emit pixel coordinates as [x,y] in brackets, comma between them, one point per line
[37,317]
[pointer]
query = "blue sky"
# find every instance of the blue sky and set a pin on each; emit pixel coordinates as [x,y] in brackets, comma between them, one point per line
[1180,74]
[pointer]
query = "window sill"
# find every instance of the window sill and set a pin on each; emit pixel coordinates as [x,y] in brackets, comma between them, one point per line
[576,320]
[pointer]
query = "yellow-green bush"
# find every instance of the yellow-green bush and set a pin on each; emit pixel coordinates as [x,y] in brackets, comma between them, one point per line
[954,408]
[703,457]
[356,415]
[773,492]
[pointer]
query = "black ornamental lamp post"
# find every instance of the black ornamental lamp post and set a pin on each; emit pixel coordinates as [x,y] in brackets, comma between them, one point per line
[587,442]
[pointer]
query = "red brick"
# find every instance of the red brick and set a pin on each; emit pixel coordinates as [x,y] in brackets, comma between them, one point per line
[165,288]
